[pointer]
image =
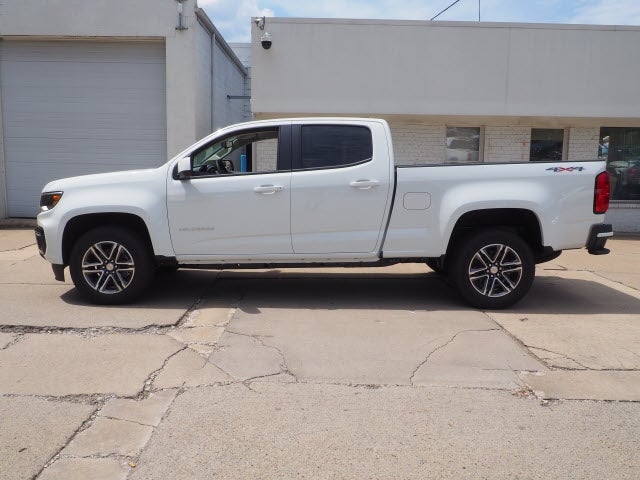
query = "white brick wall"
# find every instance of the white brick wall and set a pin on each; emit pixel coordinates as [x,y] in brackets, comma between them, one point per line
[415,144]
[265,155]
[506,144]
[583,143]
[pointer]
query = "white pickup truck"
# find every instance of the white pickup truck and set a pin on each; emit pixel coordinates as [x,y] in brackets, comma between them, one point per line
[315,192]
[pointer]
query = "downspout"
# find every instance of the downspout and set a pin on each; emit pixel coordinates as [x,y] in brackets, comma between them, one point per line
[4,195]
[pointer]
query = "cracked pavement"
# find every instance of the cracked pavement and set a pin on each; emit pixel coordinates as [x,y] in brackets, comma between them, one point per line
[367,373]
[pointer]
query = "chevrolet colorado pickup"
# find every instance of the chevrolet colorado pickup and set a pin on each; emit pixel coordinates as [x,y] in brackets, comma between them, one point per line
[316,192]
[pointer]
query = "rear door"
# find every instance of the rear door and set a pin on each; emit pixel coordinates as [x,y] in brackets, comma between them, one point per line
[340,187]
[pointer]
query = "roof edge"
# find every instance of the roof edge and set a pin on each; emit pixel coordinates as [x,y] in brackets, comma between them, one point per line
[208,24]
[438,23]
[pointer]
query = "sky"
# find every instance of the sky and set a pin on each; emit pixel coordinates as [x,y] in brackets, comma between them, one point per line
[233,17]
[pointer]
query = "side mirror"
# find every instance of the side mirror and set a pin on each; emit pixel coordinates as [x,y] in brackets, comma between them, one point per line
[184,171]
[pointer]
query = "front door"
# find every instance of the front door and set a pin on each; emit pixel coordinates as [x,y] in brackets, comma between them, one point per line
[223,210]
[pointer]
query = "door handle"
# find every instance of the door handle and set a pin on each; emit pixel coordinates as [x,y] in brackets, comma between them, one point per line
[364,184]
[268,189]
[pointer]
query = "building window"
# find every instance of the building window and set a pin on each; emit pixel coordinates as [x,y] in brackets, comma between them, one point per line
[546,144]
[463,145]
[620,147]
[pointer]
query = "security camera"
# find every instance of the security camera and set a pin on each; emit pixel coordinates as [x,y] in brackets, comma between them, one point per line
[266,41]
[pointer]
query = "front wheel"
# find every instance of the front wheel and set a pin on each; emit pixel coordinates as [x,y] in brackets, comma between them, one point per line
[492,269]
[110,265]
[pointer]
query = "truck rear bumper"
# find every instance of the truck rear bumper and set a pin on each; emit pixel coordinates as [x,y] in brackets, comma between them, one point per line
[598,238]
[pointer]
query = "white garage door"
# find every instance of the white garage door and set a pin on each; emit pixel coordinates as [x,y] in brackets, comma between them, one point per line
[78,107]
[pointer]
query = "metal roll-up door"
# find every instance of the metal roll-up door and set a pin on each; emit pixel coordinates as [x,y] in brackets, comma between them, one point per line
[78,107]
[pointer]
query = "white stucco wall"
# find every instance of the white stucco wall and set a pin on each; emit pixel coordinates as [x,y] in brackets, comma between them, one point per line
[455,68]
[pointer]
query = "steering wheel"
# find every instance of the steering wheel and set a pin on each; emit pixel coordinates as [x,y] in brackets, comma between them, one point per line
[207,169]
[224,166]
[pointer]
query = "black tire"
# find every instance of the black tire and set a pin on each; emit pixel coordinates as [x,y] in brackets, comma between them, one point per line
[492,269]
[111,265]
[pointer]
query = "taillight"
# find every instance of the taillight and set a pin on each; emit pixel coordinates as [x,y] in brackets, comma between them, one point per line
[602,193]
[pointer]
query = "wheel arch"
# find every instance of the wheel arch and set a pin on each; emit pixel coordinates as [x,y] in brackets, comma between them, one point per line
[523,222]
[81,224]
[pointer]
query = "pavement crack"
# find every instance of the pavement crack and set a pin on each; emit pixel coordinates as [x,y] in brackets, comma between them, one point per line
[247,381]
[18,338]
[525,348]
[582,367]
[85,399]
[83,426]
[198,302]
[146,388]
[444,345]
[186,316]
[85,332]
[284,367]
[19,248]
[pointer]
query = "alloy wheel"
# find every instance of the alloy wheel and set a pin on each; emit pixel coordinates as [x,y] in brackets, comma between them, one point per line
[495,270]
[108,267]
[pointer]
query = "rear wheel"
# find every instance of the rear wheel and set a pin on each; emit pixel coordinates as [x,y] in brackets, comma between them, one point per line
[110,265]
[492,269]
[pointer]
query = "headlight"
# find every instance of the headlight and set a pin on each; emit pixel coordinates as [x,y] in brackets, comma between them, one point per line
[48,200]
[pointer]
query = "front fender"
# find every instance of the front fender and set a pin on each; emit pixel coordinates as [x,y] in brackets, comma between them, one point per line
[144,197]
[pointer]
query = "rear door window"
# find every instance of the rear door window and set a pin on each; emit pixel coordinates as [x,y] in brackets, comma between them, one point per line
[331,146]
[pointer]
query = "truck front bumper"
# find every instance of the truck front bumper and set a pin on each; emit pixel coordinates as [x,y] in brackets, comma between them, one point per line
[598,238]
[41,240]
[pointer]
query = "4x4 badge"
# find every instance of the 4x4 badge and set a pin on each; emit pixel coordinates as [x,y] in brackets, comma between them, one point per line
[565,169]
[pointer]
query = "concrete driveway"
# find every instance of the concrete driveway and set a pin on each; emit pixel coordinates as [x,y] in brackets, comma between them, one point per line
[368,373]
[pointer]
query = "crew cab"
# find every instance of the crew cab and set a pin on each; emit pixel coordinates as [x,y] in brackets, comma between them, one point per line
[317,192]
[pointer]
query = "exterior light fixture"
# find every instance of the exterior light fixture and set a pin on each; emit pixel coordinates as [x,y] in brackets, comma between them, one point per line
[181,25]
[265,39]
